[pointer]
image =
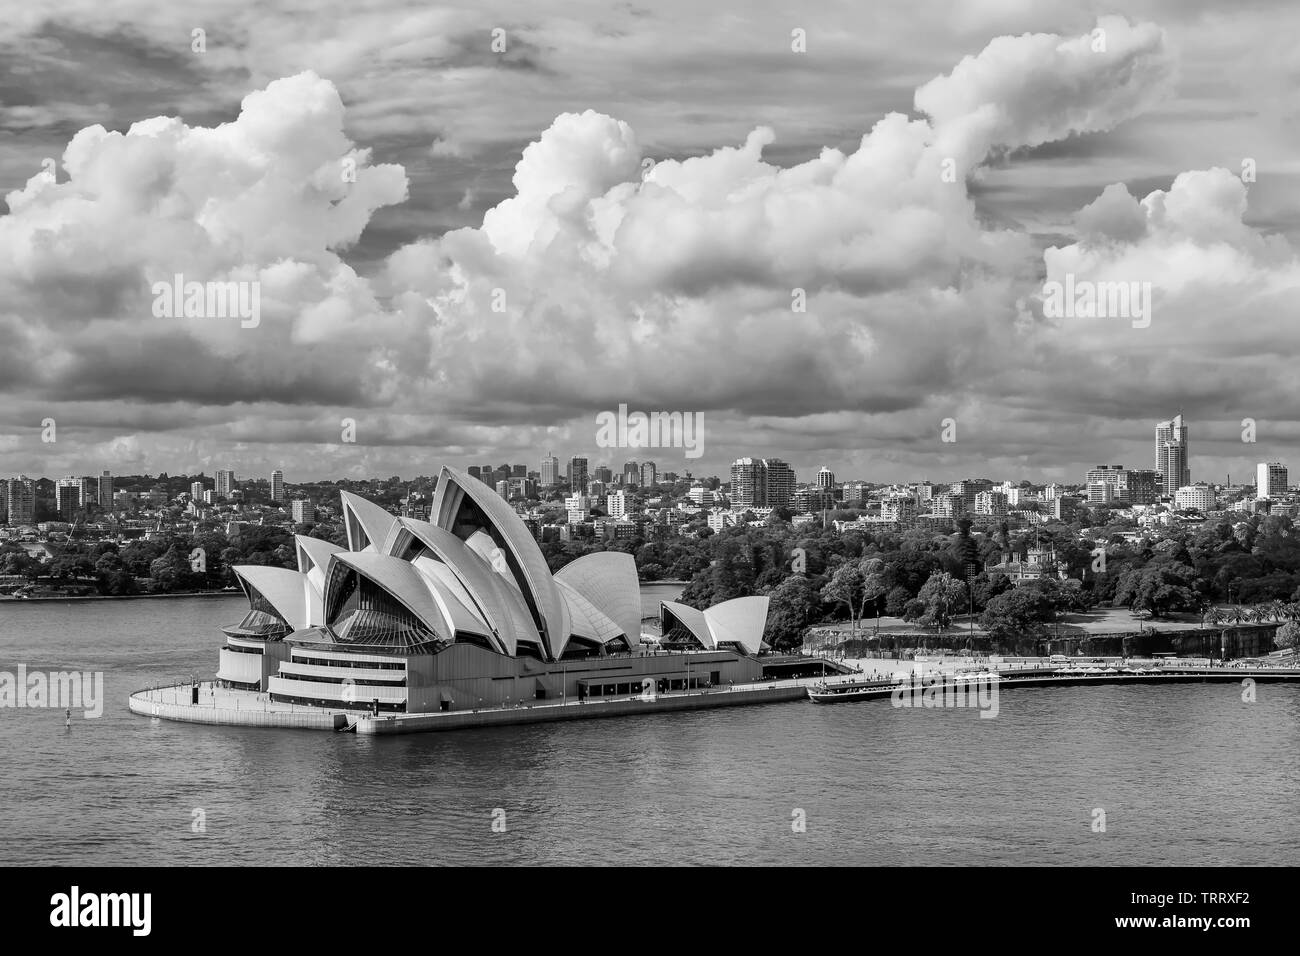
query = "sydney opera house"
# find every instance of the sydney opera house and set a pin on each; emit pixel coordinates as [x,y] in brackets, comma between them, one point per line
[462,612]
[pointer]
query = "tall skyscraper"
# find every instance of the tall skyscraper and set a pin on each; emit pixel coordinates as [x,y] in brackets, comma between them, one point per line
[77,488]
[550,471]
[1270,480]
[225,483]
[826,479]
[1173,454]
[20,501]
[761,483]
[196,490]
[68,498]
[649,475]
[104,492]
[277,485]
[748,483]
[631,474]
[577,474]
[780,483]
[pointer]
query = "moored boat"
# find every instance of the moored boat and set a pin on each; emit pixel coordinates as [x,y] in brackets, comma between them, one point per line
[824,693]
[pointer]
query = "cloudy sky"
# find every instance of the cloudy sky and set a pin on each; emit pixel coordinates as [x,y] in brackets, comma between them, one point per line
[474,228]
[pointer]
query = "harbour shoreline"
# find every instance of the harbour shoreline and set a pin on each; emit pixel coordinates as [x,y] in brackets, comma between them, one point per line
[252,709]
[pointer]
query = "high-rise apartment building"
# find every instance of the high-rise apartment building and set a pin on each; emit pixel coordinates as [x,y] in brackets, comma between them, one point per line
[631,474]
[855,493]
[225,483]
[825,479]
[1117,484]
[618,504]
[1144,486]
[76,488]
[303,511]
[277,485]
[748,483]
[550,471]
[761,483]
[1172,455]
[968,488]
[67,495]
[577,474]
[104,491]
[20,501]
[814,499]
[1198,497]
[1270,479]
[780,483]
[196,490]
[649,474]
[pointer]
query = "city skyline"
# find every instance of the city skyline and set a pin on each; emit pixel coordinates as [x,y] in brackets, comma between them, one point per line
[1132,485]
[869,249]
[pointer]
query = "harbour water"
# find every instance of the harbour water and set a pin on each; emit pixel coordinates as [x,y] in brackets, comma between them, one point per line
[1186,774]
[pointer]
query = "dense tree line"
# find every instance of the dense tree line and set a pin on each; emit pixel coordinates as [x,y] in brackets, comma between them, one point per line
[179,562]
[815,575]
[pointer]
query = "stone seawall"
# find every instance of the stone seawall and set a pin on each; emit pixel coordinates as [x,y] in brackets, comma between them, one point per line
[459,720]
[141,703]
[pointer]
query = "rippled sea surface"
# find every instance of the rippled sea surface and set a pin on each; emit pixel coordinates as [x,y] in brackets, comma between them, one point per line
[1186,774]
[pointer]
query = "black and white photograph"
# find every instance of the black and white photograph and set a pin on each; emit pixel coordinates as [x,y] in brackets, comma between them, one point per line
[576,434]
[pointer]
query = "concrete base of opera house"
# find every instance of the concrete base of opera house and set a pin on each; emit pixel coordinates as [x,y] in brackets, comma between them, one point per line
[242,708]
[770,693]
[231,708]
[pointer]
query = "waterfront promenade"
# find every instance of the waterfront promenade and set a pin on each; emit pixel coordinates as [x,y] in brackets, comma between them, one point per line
[217,705]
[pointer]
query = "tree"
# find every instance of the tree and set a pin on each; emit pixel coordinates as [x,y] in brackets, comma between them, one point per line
[1020,612]
[896,601]
[790,610]
[874,585]
[114,576]
[941,595]
[1288,635]
[845,587]
[988,586]
[963,550]
[1158,588]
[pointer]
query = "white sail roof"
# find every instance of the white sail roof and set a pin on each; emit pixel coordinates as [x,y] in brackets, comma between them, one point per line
[739,621]
[286,590]
[367,524]
[529,568]
[608,579]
